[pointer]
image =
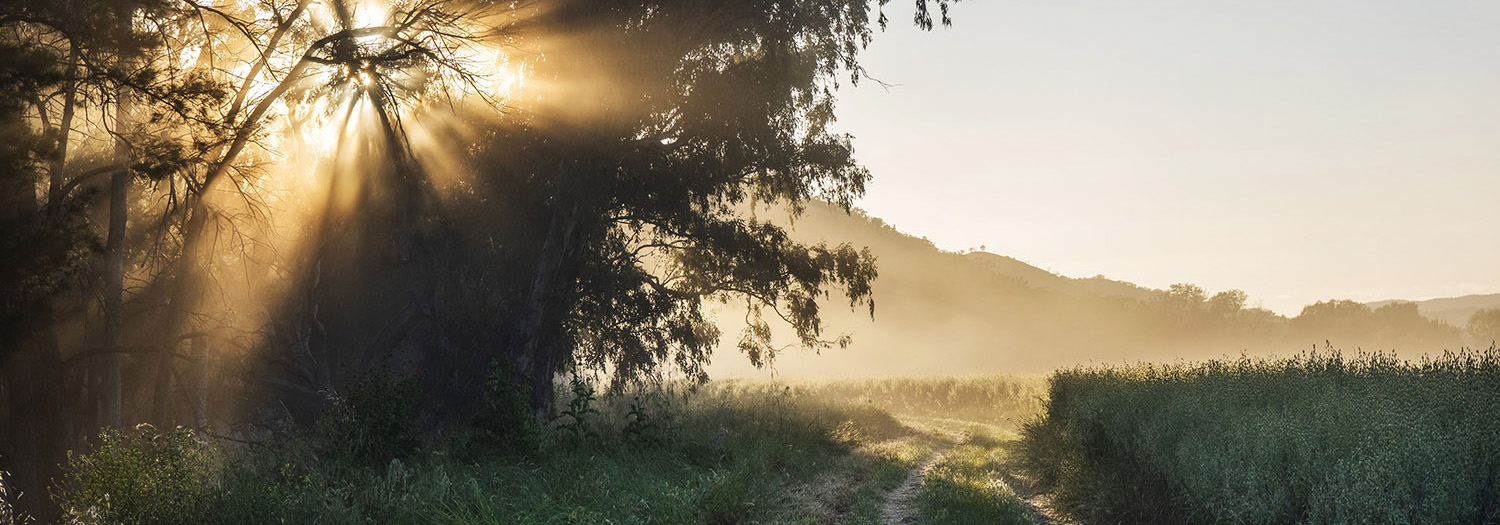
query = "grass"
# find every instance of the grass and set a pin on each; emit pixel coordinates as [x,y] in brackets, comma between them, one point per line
[965,486]
[1006,400]
[1316,438]
[731,452]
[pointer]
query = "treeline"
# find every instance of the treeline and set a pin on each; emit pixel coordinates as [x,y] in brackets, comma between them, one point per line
[228,216]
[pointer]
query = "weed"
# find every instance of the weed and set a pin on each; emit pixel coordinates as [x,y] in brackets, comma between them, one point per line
[8,513]
[579,408]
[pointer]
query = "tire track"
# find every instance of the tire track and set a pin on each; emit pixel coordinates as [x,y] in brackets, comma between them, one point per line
[897,508]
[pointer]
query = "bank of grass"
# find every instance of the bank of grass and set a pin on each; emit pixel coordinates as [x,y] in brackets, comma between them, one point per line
[1316,438]
[965,485]
[728,453]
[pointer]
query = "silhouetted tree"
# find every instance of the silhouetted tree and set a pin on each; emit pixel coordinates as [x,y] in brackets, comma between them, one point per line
[672,119]
[1484,327]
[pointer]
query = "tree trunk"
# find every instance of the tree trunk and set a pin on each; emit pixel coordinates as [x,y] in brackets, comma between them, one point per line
[55,183]
[201,352]
[30,368]
[32,382]
[114,271]
[536,348]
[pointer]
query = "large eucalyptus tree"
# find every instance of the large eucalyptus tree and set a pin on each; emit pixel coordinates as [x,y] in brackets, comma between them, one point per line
[631,170]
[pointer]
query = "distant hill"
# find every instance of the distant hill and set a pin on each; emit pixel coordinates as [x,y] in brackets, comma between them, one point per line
[941,312]
[1452,310]
[1043,279]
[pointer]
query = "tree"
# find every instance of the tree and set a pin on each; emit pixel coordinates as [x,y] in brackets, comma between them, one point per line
[1484,327]
[43,253]
[678,117]
[1227,302]
[607,206]
[610,204]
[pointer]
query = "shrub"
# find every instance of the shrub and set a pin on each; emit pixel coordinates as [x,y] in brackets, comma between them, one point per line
[504,417]
[373,422]
[139,477]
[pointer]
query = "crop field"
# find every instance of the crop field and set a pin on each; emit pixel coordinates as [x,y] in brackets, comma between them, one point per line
[1316,438]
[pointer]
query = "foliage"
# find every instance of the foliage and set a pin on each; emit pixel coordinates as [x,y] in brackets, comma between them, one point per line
[1349,323]
[504,416]
[1484,327]
[731,456]
[724,453]
[373,422]
[640,426]
[580,406]
[1316,438]
[140,477]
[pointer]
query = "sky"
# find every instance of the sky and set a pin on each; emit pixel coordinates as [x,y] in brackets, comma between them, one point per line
[1299,151]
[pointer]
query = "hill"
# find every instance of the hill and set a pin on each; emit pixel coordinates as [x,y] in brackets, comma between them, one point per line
[1045,280]
[1452,310]
[940,312]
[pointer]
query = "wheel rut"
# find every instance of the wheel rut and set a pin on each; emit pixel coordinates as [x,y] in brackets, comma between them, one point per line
[898,506]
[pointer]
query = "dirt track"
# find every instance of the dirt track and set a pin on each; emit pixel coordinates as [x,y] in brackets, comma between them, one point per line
[897,508]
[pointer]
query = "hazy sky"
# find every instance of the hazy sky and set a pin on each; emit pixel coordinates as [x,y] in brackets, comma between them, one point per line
[1296,150]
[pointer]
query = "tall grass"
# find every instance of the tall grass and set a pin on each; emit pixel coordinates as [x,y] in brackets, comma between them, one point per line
[1315,438]
[1000,399]
[719,455]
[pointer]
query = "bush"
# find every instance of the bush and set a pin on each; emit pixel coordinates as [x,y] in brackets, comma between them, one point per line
[504,417]
[374,422]
[139,477]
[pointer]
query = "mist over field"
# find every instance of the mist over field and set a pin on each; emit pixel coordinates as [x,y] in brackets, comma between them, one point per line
[978,312]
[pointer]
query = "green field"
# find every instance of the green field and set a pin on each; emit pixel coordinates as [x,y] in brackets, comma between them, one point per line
[1317,438]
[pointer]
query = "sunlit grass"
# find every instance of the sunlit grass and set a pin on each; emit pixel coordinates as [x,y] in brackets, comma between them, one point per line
[965,485]
[1003,399]
[733,452]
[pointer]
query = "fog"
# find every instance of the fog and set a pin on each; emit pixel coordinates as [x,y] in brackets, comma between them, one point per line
[943,312]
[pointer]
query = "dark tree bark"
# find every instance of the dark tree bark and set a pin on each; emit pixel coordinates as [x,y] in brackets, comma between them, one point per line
[114,272]
[536,335]
[56,187]
[31,369]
